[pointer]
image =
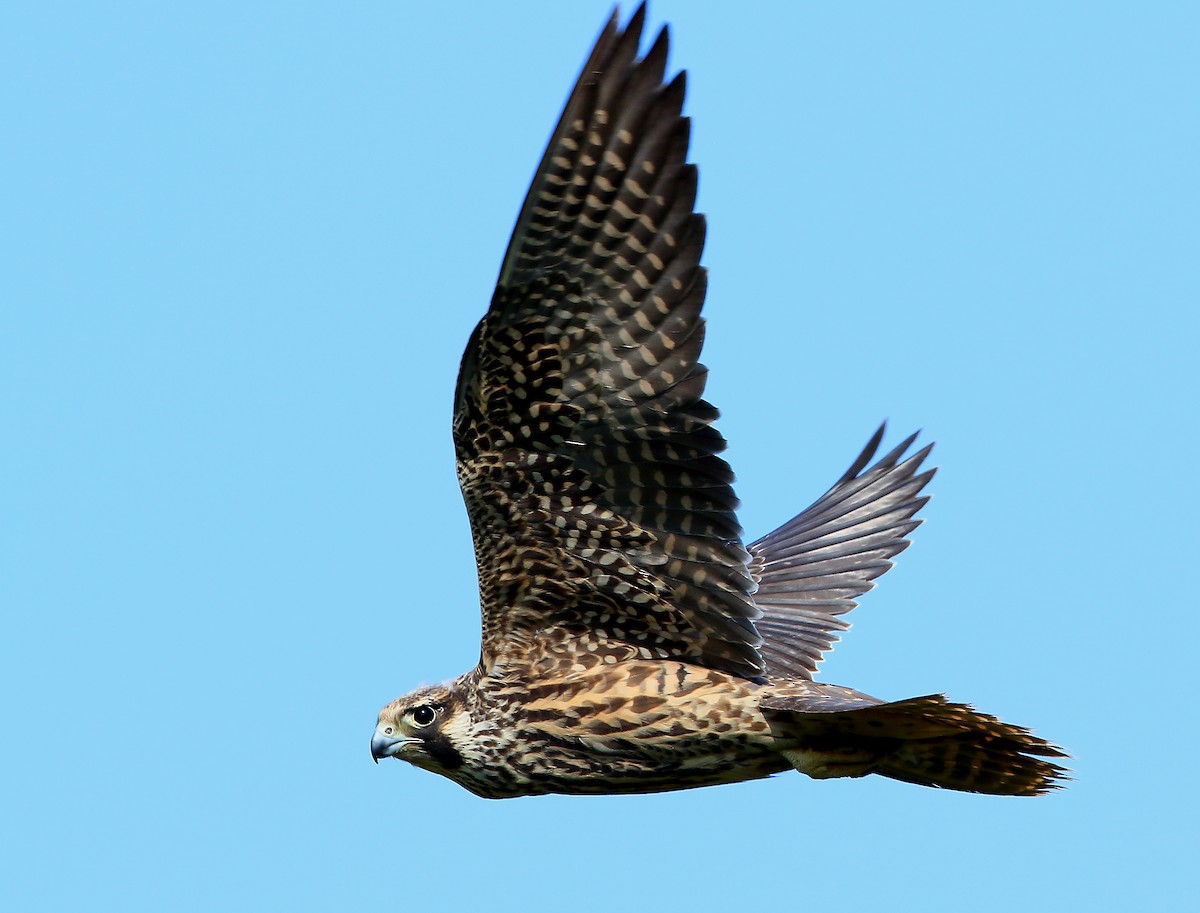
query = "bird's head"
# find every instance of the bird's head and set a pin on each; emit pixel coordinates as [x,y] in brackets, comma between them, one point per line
[423,728]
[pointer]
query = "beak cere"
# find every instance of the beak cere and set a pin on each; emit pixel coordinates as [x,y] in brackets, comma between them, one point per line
[384,745]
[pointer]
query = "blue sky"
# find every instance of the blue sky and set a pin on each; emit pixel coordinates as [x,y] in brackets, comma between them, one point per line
[243,247]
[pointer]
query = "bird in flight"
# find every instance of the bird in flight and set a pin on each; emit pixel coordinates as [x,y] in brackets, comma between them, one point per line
[631,643]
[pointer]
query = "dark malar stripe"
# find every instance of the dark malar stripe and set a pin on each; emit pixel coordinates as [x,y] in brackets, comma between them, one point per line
[440,749]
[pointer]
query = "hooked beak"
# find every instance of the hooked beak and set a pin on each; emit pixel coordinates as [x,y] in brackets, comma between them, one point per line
[386,745]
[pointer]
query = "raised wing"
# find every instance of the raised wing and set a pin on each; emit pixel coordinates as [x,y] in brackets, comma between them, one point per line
[812,569]
[602,517]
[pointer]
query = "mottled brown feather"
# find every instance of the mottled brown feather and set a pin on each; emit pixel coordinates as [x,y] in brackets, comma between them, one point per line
[586,453]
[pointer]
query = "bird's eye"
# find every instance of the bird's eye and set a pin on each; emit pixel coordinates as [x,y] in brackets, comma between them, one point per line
[424,715]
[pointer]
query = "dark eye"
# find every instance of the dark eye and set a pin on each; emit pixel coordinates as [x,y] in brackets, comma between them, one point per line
[424,715]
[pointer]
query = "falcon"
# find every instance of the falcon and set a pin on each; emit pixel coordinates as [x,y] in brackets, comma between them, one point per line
[631,643]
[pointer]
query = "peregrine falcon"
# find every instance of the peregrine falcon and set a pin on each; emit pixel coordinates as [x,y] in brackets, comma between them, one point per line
[631,643]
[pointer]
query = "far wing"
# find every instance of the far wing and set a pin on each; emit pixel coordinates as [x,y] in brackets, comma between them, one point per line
[812,569]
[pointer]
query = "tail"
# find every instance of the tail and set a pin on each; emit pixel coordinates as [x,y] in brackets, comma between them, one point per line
[924,740]
[971,751]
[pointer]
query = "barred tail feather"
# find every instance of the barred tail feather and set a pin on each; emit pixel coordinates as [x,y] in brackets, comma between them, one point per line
[836,732]
[980,754]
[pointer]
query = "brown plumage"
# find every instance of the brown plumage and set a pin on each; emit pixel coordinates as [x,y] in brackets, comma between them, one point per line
[630,641]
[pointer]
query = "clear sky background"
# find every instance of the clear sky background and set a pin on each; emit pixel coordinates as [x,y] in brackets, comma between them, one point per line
[243,246]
